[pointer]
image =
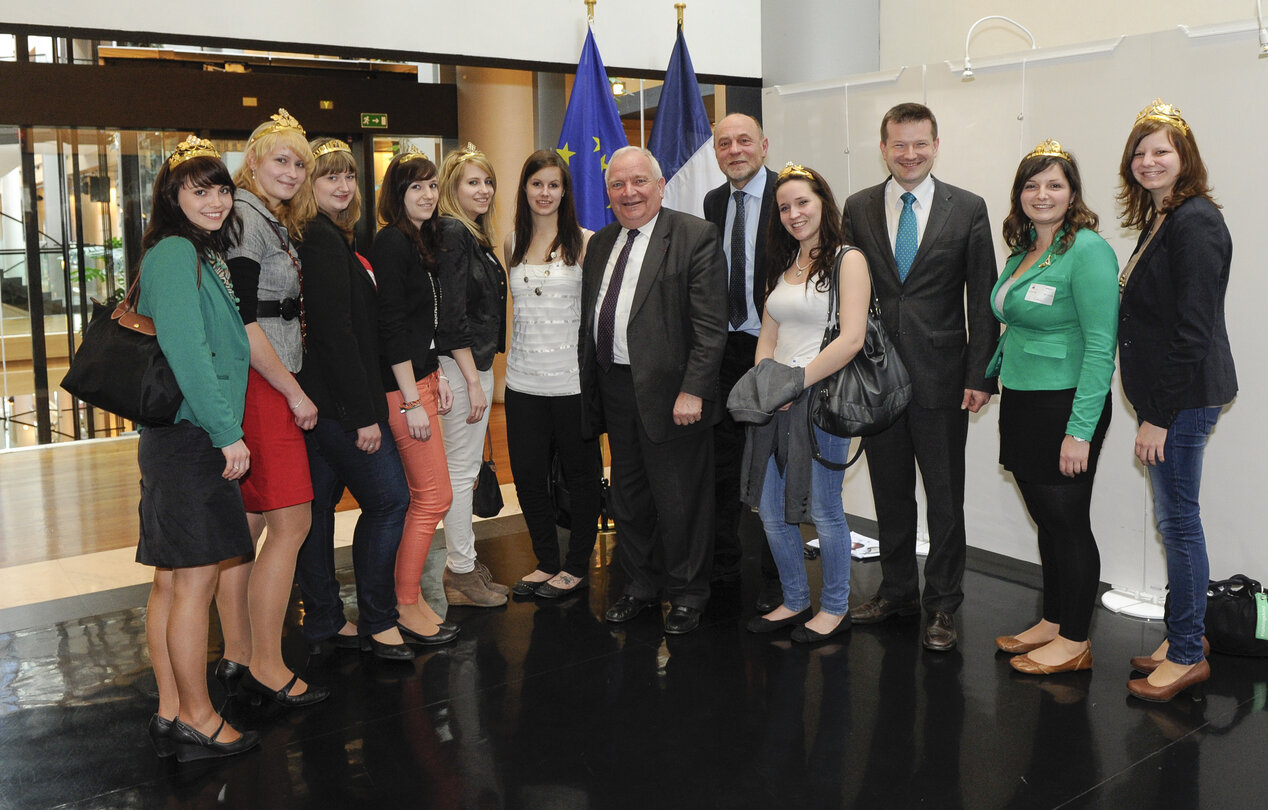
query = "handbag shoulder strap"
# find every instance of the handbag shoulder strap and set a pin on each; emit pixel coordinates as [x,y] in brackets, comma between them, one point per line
[834,295]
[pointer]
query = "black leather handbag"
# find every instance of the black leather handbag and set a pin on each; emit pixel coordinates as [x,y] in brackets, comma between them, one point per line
[1233,625]
[870,392]
[120,368]
[487,501]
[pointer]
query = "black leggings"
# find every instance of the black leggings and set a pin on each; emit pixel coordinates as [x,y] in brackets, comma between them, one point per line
[1067,549]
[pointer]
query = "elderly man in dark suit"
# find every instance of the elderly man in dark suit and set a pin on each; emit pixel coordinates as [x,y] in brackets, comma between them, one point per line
[741,210]
[929,246]
[653,328]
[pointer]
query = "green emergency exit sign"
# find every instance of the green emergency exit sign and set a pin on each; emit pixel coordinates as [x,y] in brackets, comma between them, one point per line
[374,120]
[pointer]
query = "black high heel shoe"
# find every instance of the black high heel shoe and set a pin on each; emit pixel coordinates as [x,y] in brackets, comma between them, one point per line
[283,696]
[191,744]
[230,674]
[160,729]
[441,636]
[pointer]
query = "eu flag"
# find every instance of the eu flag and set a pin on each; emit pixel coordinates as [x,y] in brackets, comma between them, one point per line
[592,131]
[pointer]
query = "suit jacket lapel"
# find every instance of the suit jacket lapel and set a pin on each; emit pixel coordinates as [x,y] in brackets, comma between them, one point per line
[759,250]
[653,261]
[880,230]
[939,213]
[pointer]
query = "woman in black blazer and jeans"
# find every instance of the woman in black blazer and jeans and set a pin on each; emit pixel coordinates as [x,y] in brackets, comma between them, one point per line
[1177,366]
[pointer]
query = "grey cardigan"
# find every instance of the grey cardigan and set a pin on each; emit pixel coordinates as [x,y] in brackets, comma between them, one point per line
[265,241]
[756,399]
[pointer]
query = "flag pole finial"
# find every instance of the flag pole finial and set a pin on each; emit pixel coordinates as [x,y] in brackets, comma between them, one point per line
[680,7]
[590,11]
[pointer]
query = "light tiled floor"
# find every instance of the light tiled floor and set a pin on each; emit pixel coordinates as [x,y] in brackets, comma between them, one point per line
[106,570]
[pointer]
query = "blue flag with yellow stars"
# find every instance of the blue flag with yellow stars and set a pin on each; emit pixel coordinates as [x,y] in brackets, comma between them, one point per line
[592,131]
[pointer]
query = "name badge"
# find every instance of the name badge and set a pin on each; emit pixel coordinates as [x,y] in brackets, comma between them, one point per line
[1041,294]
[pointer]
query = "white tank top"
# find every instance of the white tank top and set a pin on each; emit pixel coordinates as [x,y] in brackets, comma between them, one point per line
[545,327]
[802,314]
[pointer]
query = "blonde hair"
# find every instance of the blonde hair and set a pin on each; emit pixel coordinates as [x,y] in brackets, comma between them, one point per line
[450,177]
[298,211]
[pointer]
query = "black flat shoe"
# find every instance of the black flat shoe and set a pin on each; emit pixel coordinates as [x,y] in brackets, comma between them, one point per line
[548,591]
[283,696]
[160,729]
[454,626]
[526,587]
[388,652]
[804,635]
[441,636]
[192,744]
[681,620]
[230,674]
[761,624]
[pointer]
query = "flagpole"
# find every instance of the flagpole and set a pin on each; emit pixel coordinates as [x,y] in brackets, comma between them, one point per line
[680,8]
[590,11]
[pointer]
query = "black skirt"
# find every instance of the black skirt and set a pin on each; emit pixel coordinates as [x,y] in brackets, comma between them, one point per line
[1032,426]
[190,516]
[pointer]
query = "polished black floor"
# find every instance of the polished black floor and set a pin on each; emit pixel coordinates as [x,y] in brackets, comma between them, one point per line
[542,705]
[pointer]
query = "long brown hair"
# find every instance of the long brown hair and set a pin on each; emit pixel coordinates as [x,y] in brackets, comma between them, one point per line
[1019,235]
[406,169]
[167,218]
[781,247]
[568,232]
[337,162]
[1135,200]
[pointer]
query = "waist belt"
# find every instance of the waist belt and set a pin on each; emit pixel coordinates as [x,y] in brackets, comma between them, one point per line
[286,309]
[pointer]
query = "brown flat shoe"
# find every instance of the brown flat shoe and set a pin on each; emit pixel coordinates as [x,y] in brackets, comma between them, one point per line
[1027,665]
[1147,663]
[1144,690]
[1013,646]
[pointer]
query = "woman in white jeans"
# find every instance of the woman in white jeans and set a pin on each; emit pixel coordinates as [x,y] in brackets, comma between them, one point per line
[473,330]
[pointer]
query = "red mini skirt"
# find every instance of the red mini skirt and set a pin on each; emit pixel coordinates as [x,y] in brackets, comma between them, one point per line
[279,459]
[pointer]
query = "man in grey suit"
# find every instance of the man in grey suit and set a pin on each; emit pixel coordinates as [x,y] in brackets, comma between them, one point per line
[741,210]
[653,327]
[930,248]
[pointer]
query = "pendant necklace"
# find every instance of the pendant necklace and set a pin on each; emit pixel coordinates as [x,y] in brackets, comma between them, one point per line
[544,274]
[797,262]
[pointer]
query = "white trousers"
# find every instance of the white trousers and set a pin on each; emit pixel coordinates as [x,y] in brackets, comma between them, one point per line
[464,449]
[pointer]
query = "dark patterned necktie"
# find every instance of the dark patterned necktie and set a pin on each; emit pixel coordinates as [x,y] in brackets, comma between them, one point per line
[737,301]
[607,312]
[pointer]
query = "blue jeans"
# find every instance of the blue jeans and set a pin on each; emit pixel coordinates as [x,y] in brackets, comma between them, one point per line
[1176,482]
[828,514]
[377,481]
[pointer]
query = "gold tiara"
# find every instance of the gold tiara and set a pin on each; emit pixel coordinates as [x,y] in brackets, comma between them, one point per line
[1049,148]
[411,153]
[469,151]
[282,121]
[334,145]
[794,170]
[191,147]
[1158,111]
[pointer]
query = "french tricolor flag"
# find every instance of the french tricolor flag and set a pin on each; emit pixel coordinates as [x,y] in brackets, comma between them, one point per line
[682,140]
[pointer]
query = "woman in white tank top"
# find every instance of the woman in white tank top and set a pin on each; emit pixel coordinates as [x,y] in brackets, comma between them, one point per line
[783,480]
[543,388]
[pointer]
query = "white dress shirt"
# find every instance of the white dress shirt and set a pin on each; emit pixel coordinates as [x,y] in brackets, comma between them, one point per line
[753,191]
[625,298]
[894,207]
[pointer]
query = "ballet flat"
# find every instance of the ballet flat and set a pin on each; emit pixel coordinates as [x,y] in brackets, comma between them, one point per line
[441,636]
[1013,646]
[1027,665]
[1191,681]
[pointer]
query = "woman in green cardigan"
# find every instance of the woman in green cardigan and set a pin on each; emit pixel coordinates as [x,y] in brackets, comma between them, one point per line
[191,508]
[1058,298]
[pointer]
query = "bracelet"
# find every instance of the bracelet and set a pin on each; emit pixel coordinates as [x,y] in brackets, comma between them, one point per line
[299,402]
[1080,441]
[443,377]
[409,406]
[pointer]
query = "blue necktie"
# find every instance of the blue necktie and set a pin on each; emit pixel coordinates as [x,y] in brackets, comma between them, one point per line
[737,301]
[905,244]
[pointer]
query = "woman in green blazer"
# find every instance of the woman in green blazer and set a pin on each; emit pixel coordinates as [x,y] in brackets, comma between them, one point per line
[1058,298]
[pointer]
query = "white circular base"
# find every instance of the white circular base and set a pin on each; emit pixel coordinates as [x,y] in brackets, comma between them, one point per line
[1131,604]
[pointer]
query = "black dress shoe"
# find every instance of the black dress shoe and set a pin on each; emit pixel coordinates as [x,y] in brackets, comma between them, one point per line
[878,609]
[283,696]
[940,632]
[441,636]
[626,608]
[761,624]
[388,652]
[548,591]
[192,744]
[230,674]
[160,729]
[770,596]
[804,635]
[682,619]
